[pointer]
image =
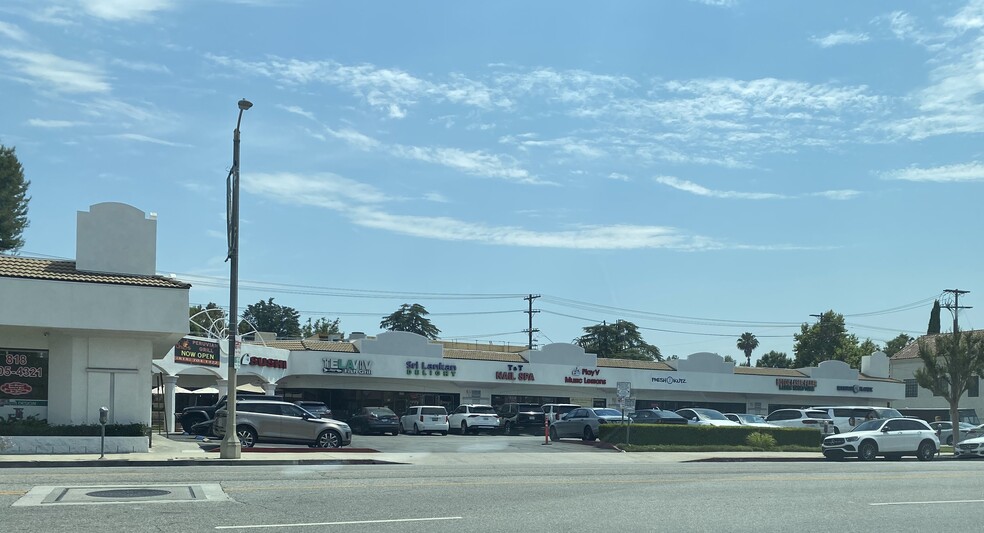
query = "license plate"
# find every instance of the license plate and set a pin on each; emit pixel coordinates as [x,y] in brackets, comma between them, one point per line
[433,419]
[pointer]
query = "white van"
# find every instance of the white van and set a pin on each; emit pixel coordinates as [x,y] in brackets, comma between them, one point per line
[425,419]
[846,417]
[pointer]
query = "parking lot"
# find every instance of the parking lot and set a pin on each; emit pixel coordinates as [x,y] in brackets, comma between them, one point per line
[452,443]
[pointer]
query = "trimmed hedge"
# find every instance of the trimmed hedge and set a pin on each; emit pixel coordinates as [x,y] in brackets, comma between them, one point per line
[693,435]
[39,428]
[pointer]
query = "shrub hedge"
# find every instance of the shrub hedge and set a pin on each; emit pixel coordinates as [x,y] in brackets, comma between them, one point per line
[692,435]
[36,428]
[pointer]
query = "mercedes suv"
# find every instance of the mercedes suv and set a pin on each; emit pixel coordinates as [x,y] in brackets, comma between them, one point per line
[521,416]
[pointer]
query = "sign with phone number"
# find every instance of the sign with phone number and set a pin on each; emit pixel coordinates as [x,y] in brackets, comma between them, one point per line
[23,374]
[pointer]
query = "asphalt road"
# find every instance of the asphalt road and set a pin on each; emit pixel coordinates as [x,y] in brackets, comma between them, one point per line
[829,496]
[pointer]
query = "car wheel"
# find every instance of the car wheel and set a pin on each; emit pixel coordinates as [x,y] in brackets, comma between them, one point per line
[508,428]
[188,422]
[464,428]
[395,433]
[444,433]
[926,451]
[246,436]
[553,434]
[867,451]
[949,440]
[416,429]
[328,438]
[588,434]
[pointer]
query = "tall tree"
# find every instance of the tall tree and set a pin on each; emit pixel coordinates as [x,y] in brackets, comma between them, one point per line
[268,316]
[620,340]
[825,340]
[747,343]
[208,321]
[729,359]
[893,346]
[13,201]
[321,326]
[774,359]
[412,318]
[934,319]
[950,362]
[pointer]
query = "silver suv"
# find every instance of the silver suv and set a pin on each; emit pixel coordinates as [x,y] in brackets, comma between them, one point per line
[282,422]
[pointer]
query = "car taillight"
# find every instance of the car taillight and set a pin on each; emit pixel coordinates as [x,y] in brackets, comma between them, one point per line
[421,418]
[556,416]
[446,419]
[602,421]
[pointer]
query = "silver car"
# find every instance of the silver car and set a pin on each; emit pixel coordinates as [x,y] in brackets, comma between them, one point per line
[584,423]
[282,422]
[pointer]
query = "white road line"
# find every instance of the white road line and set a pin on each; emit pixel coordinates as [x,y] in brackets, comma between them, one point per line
[927,503]
[257,526]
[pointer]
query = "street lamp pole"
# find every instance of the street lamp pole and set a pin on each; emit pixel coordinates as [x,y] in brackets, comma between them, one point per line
[231,447]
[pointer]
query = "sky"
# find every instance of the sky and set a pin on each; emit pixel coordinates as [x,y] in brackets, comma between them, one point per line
[700,168]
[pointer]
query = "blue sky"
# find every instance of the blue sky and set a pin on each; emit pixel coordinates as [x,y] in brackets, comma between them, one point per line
[701,168]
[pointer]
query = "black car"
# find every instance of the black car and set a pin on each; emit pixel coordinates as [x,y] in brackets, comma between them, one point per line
[375,420]
[656,416]
[521,417]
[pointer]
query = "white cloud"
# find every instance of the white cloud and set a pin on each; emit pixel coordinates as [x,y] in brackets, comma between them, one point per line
[125,10]
[961,172]
[436,197]
[700,190]
[107,108]
[141,66]
[717,3]
[840,38]
[970,17]
[323,190]
[146,139]
[840,194]
[57,73]
[12,31]
[355,138]
[475,163]
[619,177]
[54,124]
[297,111]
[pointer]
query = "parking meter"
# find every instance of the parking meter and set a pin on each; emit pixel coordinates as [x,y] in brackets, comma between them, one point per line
[103,418]
[103,415]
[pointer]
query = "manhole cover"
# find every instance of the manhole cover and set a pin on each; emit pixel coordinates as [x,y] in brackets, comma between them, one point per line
[128,493]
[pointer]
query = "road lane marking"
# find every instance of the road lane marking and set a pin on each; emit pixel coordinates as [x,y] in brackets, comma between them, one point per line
[926,503]
[353,522]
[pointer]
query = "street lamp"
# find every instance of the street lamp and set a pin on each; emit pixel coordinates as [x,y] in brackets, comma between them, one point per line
[230,447]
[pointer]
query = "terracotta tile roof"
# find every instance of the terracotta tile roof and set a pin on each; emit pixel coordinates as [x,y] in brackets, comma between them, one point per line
[483,347]
[295,345]
[911,351]
[631,363]
[329,346]
[769,371]
[60,270]
[479,355]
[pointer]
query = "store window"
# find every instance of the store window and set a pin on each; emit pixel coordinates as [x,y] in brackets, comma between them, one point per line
[599,402]
[911,388]
[974,387]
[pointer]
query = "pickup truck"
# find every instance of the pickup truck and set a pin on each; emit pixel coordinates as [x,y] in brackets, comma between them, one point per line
[196,415]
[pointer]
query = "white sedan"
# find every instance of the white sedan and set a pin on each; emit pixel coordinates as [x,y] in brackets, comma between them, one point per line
[705,417]
[755,421]
[973,447]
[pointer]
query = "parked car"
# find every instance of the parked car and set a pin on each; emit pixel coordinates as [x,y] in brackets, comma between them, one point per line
[705,417]
[197,419]
[473,418]
[425,419]
[282,422]
[944,429]
[891,438]
[846,417]
[803,418]
[521,416]
[315,408]
[972,447]
[757,421]
[584,422]
[656,416]
[375,420]
[553,411]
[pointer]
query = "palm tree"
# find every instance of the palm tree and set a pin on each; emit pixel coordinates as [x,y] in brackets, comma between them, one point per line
[747,343]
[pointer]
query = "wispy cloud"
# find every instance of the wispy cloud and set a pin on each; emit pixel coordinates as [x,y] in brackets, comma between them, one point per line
[618,177]
[146,139]
[961,172]
[355,138]
[125,10]
[477,163]
[717,3]
[840,194]
[53,124]
[700,190]
[141,66]
[840,38]
[297,111]
[12,31]
[49,71]
[322,190]
[436,197]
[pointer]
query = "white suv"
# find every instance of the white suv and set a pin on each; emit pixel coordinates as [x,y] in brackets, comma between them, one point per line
[425,419]
[891,438]
[803,418]
[846,417]
[473,418]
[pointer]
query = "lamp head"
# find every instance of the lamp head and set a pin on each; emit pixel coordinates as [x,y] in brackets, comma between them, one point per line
[245,104]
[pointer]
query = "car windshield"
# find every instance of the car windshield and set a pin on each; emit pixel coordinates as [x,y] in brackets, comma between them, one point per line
[382,411]
[710,414]
[529,407]
[608,412]
[870,425]
[888,413]
[664,414]
[433,411]
[483,409]
[752,419]
[817,414]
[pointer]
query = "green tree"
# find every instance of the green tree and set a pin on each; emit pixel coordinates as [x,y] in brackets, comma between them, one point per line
[747,343]
[13,201]
[412,318]
[729,359]
[825,340]
[893,346]
[774,359]
[321,326]
[950,362]
[934,319]
[620,340]
[208,321]
[268,316]
[852,352]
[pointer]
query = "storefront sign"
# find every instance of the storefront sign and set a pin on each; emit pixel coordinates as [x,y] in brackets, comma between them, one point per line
[669,380]
[514,373]
[796,384]
[197,352]
[362,367]
[855,388]
[253,360]
[23,384]
[420,368]
[585,376]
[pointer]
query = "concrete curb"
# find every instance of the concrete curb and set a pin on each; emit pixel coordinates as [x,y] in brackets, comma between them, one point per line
[116,463]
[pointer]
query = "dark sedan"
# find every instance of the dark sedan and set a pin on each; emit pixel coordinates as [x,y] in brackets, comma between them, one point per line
[375,420]
[656,416]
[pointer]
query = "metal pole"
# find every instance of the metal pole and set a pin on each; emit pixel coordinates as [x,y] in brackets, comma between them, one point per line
[230,447]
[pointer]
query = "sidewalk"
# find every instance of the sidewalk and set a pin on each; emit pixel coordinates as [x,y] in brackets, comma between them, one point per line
[168,452]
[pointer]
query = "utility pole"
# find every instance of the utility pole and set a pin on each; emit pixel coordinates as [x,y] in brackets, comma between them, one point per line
[956,307]
[531,329]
